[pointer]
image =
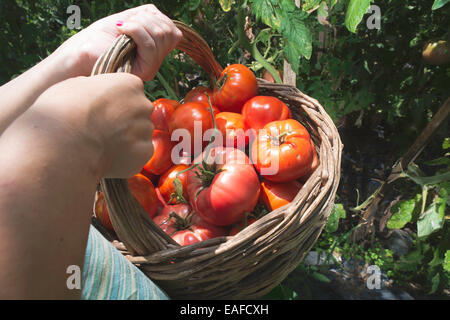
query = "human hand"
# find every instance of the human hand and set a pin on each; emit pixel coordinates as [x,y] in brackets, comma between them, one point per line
[154,34]
[104,119]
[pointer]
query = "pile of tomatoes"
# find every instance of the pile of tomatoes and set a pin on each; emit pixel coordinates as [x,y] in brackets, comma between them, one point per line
[255,160]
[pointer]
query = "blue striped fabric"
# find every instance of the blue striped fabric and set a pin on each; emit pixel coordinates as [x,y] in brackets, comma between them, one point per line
[108,275]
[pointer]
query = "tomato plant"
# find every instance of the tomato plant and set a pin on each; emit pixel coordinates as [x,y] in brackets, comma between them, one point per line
[223,186]
[236,85]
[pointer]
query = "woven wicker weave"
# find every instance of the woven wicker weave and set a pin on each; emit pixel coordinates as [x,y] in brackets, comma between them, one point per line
[251,263]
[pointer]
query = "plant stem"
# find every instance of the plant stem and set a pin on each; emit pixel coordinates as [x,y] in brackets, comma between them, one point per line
[166,86]
[251,47]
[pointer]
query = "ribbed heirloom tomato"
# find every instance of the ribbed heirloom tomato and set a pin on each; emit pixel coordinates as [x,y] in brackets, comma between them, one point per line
[185,226]
[260,110]
[236,85]
[223,187]
[284,153]
[167,184]
[277,194]
[161,159]
[162,112]
[231,125]
[144,192]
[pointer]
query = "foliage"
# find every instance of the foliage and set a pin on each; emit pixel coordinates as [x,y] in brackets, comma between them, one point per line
[425,212]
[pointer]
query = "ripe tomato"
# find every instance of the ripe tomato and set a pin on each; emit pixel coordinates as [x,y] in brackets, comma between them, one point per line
[199,94]
[284,152]
[277,194]
[186,117]
[167,187]
[260,110]
[185,226]
[101,212]
[241,225]
[231,125]
[144,192]
[223,187]
[162,112]
[237,85]
[161,160]
[314,164]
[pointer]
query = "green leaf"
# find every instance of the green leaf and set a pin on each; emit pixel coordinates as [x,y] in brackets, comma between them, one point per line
[310,4]
[439,4]
[225,4]
[432,219]
[193,5]
[265,11]
[415,174]
[403,212]
[336,214]
[355,12]
[297,36]
[446,263]
[446,143]
[320,277]
[435,283]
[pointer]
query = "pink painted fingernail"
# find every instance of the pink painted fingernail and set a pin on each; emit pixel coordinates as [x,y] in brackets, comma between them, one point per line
[119,23]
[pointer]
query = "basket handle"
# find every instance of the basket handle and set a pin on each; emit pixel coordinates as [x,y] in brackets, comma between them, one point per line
[135,229]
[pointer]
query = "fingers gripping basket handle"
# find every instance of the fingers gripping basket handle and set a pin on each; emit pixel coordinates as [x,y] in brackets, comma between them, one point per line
[131,223]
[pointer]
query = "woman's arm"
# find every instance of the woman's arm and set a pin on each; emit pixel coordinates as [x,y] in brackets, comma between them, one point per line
[155,36]
[51,160]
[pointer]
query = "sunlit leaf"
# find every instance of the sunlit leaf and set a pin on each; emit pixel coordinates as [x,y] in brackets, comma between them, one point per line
[225,4]
[439,4]
[402,214]
[355,12]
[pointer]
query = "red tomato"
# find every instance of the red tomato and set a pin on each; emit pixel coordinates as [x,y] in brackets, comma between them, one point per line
[185,117]
[166,183]
[284,153]
[144,192]
[260,110]
[199,94]
[314,164]
[225,188]
[161,160]
[162,113]
[238,84]
[231,125]
[275,194]
[185,226]
[238,227]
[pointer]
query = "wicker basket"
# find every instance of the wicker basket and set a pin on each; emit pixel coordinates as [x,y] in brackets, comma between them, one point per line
[251,263]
